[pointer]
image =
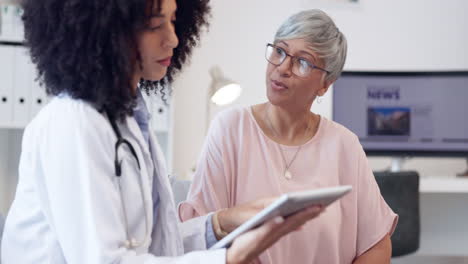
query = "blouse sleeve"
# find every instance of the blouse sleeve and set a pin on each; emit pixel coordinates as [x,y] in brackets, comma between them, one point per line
[211,182]
[375,218]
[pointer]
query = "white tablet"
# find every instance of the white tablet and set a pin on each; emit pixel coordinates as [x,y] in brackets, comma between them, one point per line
[286,205]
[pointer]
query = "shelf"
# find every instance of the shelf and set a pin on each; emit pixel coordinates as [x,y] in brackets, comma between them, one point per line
[415,259]
[443,185]
[11,42]
[12,126]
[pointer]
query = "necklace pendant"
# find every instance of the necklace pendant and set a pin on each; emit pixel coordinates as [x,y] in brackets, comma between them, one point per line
[287,175]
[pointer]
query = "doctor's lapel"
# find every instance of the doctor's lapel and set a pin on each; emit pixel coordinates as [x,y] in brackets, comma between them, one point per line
[131,132]
[167,240]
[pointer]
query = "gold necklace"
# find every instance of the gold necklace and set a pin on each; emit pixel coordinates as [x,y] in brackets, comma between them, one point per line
[287,173]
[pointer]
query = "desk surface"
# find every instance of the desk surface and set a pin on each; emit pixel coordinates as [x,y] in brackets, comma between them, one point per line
[430,260]
[443,184]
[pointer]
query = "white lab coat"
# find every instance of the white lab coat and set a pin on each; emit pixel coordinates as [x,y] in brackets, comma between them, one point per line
[67,207]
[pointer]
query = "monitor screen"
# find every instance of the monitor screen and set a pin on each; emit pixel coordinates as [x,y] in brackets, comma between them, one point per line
[410,113]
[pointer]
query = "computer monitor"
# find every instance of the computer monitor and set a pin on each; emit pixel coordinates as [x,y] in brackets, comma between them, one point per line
[405,113]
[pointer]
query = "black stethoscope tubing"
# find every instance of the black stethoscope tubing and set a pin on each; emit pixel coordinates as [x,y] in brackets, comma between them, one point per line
[120,142]
[129,243]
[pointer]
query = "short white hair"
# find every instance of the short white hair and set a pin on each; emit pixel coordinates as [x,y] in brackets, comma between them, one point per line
[319,30]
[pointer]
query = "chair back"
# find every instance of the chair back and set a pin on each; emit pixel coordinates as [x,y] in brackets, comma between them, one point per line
[401,192]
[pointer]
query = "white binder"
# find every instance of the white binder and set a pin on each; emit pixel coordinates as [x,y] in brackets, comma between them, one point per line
[21,87]
[38,94]
[6,86]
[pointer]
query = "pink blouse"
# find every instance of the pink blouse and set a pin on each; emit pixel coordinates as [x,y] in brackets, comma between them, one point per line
[239,163]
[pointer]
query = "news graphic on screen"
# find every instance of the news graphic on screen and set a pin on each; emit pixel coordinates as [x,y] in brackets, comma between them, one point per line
[412,113]
[388,121]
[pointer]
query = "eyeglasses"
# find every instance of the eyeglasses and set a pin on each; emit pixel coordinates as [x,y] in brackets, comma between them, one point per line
[300,66]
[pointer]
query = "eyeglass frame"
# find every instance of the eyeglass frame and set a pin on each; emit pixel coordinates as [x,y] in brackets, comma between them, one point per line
[310,64]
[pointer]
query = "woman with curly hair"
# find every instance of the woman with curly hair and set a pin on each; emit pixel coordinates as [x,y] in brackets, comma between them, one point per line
[92,183]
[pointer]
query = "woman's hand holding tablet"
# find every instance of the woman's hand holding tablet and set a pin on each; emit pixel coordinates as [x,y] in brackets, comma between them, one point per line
[284,206]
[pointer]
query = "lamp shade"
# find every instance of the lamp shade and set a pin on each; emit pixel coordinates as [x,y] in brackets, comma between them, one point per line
[223,91]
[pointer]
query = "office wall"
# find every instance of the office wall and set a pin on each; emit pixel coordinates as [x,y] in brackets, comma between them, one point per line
[382,35]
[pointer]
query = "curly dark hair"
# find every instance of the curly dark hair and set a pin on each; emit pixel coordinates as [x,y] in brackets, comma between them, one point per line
[87,48]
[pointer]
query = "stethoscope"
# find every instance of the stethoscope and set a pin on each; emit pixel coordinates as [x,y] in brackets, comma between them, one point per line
[130,242]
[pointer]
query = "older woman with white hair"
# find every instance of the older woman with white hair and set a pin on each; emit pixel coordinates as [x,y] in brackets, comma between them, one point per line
[281,146]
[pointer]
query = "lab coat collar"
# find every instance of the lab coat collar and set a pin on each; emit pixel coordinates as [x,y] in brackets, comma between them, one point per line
[135,131]
[166,241]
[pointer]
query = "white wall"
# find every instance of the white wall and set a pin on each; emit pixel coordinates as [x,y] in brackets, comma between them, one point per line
[382,35]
